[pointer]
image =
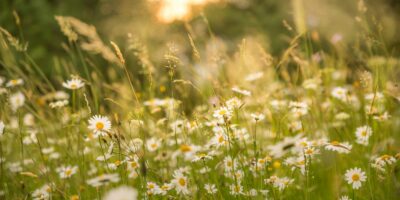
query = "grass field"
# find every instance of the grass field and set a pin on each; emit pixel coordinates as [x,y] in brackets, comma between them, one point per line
[114,120]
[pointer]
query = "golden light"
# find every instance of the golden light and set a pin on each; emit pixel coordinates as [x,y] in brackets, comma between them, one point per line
[171,10]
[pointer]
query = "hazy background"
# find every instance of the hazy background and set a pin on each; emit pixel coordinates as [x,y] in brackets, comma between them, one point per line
[229,20]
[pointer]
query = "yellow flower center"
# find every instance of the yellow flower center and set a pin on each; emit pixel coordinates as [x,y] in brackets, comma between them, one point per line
[364,133]
[68,172]
[162,88]
[309,151]
[73,86]
[385,157]
[221,139]
[335,143]
[355,177]
[74,197]
[277,164]
[165,187]
[134,164]
[182,182]
[286,182]
[99,125]
[185,148]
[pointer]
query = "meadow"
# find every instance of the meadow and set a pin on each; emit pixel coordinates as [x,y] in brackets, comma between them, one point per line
[209,118]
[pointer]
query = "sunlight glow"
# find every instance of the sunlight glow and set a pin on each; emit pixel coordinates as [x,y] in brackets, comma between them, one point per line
[171,10]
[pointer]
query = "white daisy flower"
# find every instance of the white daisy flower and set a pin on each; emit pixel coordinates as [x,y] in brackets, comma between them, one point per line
[339,147]
[188,151]
[121,193]
[29,120]
[17,100]
[153,144]
[363,133]
[219,140]
[280,183]
[310,151]
[380,163]
[236,189]
[165,188]
[283,182]
[67,171]
[241,134]
[177,126]
[241,91]
[340,93]
[295,126]
[180,182]
[153,188]
[201,157]
[104,179]
[236,175]
[233,103]
[355,177]
[312,84]
[223,113]
[133,164]
[100,125]
[257,116]
[385,160]
[58,104]
[252,192]
[42,193]
[205,170]
[229,164]
[378,96]
[210,188]
[344,197]
[298,109]
[382,117]
[296,163]
[14,82]
[73,84]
